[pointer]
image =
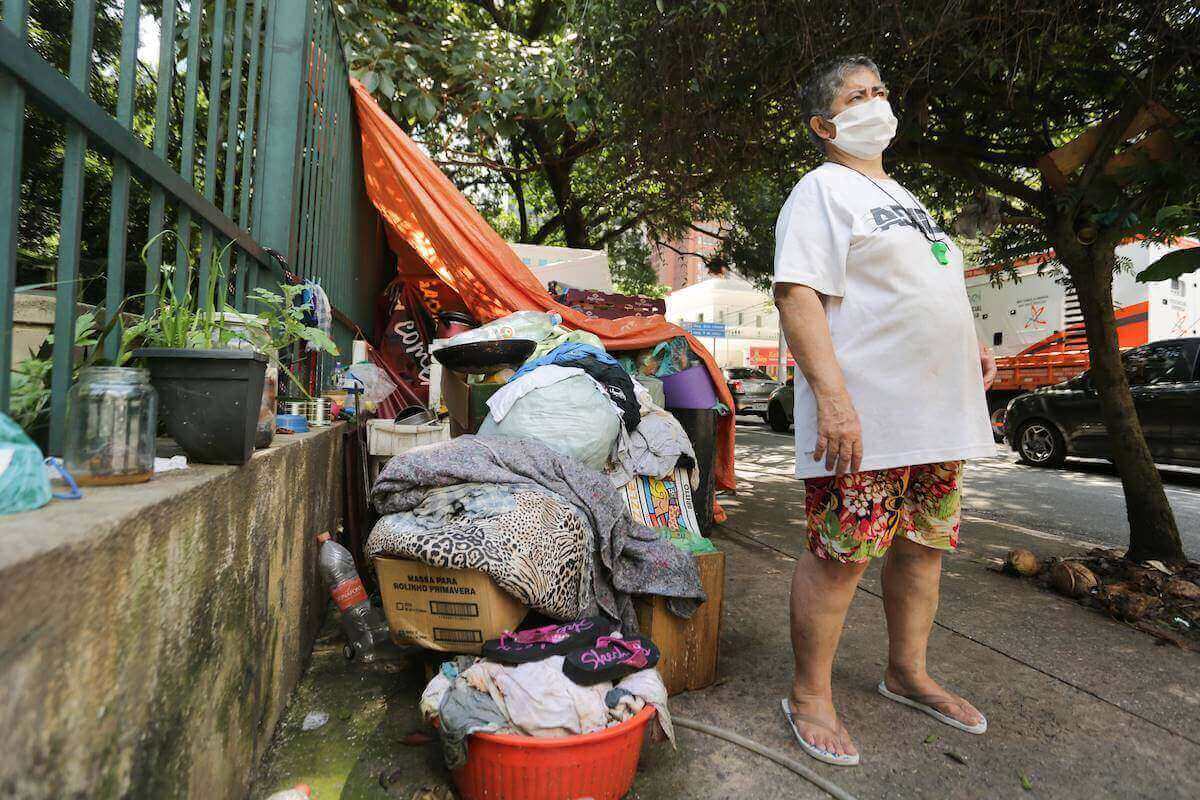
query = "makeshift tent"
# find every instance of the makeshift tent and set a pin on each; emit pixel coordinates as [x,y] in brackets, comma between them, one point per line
[433,228]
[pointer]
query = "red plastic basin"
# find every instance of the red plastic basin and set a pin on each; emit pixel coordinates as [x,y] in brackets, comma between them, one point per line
[597,765]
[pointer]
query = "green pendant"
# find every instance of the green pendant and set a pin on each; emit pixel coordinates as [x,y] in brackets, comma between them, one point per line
[941,252]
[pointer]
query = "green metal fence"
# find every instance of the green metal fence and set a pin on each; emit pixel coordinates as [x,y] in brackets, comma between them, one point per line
[232,123]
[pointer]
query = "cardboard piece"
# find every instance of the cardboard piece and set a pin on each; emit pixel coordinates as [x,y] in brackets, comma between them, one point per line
[466,402]
[451,610]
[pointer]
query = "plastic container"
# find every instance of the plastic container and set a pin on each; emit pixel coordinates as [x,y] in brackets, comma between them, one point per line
[112,417]
[690,388]
[296,423]
[598,765]
[210,399]
[388,438]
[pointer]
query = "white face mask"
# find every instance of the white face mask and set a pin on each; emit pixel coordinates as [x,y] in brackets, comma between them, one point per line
[866,129]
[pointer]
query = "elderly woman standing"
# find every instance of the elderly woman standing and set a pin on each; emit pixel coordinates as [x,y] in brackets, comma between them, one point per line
[873,304]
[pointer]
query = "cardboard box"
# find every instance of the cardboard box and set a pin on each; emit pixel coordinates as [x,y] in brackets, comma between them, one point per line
[452,610]
[466,402]
[688,647]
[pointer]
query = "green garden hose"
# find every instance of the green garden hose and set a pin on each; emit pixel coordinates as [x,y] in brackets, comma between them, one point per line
[831,788]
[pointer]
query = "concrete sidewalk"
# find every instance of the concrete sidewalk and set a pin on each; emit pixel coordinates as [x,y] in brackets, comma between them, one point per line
[1083,706]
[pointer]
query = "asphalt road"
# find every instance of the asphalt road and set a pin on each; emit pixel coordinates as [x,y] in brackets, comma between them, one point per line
[1082,500]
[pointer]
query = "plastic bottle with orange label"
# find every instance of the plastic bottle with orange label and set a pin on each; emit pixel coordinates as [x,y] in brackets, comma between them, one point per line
[360,621]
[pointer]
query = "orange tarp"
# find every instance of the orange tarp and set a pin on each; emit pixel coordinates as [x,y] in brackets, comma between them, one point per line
[423,208]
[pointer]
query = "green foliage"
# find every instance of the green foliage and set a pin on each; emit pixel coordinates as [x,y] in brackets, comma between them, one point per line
[190,322]
[284,319]
[30,398]
[630,267]
[50,24]
[983,90]
[501,98]
[1172,265]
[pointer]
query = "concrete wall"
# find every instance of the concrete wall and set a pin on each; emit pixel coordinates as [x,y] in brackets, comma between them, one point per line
[150,635]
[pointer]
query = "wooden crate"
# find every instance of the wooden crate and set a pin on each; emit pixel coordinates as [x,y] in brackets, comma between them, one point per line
[688,646]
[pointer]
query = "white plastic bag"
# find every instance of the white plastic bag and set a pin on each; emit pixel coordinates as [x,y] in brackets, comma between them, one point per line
[532,325]
[573,416]
[375,382]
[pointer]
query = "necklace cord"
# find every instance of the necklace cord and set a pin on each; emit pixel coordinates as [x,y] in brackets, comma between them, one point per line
[908,213]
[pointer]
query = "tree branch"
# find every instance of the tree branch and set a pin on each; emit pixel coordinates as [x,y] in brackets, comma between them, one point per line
[548,227]
[945,159]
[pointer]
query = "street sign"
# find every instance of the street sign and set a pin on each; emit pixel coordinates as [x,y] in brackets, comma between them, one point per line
[714,330]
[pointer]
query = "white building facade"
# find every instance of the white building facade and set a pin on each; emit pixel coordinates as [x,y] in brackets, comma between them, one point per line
[748,314]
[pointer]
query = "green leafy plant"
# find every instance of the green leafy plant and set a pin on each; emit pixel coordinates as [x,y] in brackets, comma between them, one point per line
[284,319]
[191,320]
[30,399]
[197,321]
[188,321]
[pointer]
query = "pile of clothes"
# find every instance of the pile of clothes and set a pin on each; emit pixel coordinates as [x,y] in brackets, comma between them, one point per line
[573,541]
[575,494]
[548,682]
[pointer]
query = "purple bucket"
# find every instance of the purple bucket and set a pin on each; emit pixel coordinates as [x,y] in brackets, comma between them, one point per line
[689,388]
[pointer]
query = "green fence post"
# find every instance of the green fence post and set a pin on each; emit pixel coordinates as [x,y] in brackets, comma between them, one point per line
[12,128]
[118,217]
[70,230]
[278,179]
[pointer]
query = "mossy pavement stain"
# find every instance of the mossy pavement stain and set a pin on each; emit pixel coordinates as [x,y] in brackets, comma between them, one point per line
[371,708]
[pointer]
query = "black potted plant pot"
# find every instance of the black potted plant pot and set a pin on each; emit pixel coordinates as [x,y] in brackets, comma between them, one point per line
[208,399]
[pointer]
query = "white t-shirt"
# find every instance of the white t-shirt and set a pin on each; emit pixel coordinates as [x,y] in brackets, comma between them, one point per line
[901,324]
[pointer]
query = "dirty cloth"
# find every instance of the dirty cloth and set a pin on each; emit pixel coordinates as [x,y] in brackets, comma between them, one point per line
[601,366]
[655,449]
[560,335]
[535,699]
[538,699]
[465,711]
[533,543]
[502,401]
[648,687]
[627,557]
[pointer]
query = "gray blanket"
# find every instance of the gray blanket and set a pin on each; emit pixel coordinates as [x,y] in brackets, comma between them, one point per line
[630,558]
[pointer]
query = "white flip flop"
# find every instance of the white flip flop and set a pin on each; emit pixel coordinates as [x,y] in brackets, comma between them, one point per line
[977,728]
[819,753]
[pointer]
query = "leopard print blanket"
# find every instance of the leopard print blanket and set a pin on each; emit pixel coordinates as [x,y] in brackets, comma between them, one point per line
[532,543]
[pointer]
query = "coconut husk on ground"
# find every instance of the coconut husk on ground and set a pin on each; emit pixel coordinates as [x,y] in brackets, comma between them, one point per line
[1161,600]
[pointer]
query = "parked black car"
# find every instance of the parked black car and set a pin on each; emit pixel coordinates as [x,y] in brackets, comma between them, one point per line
[781,407]
[1053,422]
[750,388]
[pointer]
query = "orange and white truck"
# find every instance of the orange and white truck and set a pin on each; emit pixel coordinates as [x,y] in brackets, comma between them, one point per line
[1034,325]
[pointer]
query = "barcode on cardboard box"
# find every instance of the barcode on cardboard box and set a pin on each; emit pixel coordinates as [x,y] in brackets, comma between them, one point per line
[457,636]
[444,609]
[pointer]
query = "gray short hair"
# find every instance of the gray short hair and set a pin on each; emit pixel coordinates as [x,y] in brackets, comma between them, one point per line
[823,86]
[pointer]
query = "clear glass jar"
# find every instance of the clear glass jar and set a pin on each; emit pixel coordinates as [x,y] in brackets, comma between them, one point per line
[112,418]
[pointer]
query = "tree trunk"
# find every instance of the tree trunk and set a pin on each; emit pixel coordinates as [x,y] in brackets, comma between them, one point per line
[1153,533]
[557,164]
[575,229]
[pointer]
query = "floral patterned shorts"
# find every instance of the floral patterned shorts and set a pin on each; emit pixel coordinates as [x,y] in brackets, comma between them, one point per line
[853,518]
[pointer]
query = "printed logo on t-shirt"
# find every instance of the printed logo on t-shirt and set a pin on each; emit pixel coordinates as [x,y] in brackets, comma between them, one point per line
[887,217]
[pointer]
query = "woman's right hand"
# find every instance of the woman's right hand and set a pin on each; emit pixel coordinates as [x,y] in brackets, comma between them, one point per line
[839,434]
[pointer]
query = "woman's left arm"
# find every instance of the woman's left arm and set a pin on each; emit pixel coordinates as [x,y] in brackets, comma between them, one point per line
[987,362]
